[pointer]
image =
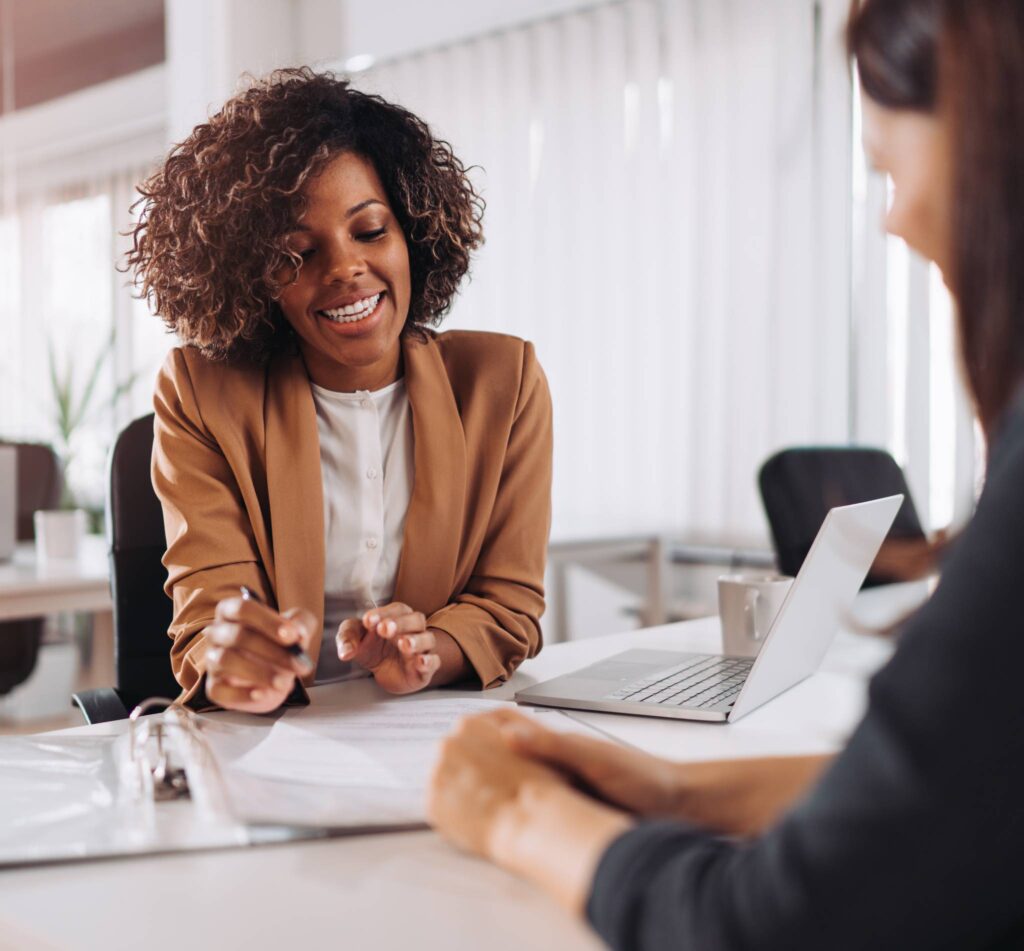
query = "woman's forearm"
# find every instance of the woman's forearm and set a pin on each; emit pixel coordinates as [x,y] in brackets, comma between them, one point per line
[743,797]
[555,837]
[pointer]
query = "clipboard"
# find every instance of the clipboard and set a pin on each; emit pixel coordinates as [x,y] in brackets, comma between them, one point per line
[155,789]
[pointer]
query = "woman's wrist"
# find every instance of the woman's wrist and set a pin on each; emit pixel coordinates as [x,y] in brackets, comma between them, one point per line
[555,837]
[454,664]
[742,797]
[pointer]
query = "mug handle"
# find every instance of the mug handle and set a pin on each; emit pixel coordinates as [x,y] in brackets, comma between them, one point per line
[750,600]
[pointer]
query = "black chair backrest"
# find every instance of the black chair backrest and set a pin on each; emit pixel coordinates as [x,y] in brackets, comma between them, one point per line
[142,612]
[40,483]
[799,486]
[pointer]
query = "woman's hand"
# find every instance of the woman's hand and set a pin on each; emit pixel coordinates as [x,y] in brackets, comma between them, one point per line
[910,559]
[740,797]
[521,814]
[620,775]
[394,643]
[476,778]
[248,665]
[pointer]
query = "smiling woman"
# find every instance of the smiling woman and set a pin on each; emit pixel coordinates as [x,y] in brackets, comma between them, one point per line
[383,490]
[349,300]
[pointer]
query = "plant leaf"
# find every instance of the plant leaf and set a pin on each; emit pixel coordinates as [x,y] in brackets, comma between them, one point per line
[51,361]
[62,390]
[90,385]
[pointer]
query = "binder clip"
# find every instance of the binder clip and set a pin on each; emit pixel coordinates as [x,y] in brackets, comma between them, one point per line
[162,777]
[167,758]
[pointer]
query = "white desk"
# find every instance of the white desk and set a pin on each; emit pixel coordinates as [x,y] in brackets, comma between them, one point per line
[29,589]
[409,890]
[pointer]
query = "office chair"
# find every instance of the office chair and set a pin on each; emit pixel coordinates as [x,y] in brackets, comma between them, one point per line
[40,484]
[799,486]
[142,611]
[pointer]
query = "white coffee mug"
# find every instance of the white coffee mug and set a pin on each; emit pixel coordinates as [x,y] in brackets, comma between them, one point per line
[747,606]
[58,533]
[8,501]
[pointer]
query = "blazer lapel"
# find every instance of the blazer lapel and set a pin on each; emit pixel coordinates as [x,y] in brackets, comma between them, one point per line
[295,490]
[433,524]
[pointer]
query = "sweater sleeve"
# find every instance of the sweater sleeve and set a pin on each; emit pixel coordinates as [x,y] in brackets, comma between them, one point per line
[495,619]
[210,546]
[913,837]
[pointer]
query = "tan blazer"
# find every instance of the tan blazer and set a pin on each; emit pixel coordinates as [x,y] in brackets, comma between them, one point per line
[236,464]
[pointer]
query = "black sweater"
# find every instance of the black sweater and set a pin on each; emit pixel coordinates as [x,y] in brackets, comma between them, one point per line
[914,837]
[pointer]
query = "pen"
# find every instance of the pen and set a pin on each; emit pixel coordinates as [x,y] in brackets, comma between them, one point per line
[294,649]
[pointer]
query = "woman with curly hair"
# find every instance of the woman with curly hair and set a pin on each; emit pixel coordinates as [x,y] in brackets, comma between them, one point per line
[345,491]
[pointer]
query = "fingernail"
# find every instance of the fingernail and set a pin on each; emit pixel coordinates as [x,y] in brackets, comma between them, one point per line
[282,681]
[405,643]
[392,627]
[344,649]
[373,620]
[257,694]
[288,633]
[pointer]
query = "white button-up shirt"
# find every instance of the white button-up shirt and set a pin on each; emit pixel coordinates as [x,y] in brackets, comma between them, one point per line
[366,457]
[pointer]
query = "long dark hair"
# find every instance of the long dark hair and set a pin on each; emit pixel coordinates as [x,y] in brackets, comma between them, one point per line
[965,59]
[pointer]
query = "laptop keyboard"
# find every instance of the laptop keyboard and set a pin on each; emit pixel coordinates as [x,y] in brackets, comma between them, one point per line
[704,681]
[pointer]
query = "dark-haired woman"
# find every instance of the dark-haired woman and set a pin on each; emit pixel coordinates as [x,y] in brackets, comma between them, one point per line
[378,491]
[913,837]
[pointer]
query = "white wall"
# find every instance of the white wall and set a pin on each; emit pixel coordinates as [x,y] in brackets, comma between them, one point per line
[98,130]
[212,43]
[386,29]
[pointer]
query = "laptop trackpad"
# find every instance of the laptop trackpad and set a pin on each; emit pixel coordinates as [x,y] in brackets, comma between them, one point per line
[614,670]
[633,664]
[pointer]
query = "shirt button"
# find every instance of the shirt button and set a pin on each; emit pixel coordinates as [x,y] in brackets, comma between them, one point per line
[371,473]
[371,543]
[365,403]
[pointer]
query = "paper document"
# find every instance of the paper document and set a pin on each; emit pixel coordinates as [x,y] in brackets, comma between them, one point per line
[389,745]
[354,763]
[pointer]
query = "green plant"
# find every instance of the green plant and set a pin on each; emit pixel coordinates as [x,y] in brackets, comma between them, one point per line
[74,406]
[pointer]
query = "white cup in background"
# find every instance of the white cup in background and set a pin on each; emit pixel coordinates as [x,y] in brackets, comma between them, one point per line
[58,533]
[747,606]
[8,501]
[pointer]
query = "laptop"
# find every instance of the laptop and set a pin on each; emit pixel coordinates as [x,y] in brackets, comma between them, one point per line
[714,687]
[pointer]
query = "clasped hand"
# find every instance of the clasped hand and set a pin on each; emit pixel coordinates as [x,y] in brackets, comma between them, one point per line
[502,788]
[493,761]
[546,804]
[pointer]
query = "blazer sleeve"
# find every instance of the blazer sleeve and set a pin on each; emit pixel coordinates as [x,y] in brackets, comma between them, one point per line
[495,619]
[914,836]
[210,546]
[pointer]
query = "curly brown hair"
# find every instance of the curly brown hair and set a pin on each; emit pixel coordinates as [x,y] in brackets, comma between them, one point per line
[211,235]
